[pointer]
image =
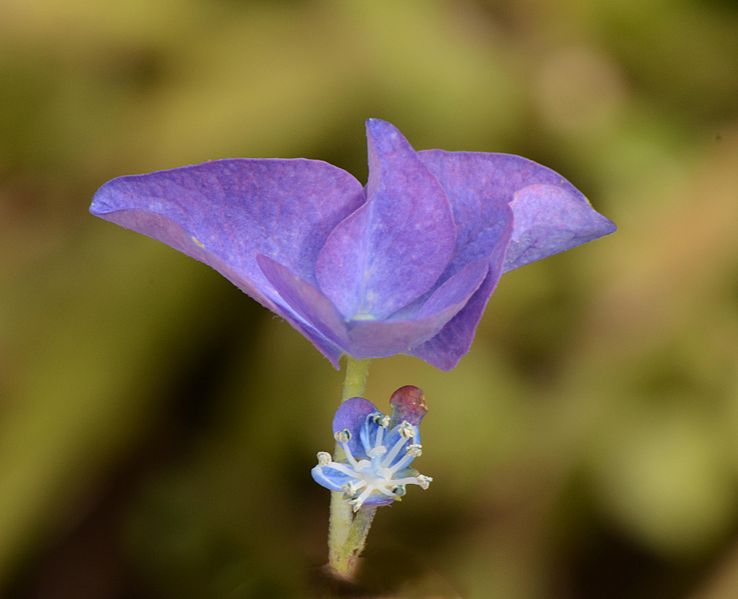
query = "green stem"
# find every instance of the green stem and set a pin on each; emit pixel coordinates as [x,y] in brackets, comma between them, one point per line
[346,532]
[354,382]
[346,559]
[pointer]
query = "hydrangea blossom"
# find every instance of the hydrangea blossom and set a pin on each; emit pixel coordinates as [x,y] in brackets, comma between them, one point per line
[403,265]
[377,450]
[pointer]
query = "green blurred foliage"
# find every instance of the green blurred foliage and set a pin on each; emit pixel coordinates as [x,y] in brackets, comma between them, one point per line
[157,428]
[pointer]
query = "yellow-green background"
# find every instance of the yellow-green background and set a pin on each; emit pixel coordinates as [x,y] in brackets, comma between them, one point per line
[157,427]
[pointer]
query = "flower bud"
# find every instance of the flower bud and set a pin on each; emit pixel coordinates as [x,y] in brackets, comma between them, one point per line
[408,403]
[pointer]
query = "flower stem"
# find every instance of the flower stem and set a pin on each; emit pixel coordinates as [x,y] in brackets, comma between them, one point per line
[346,532]
[354,382]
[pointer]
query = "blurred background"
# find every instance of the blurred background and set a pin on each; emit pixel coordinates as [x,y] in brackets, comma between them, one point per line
[157,427]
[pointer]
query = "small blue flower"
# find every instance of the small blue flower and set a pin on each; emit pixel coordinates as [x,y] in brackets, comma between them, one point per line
[377,450]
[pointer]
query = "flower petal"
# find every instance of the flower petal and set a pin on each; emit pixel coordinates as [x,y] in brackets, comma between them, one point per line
[305,300]
[551,217]
[330,478]
[456,290]
[225,212]
[479,195]
[446,348]
[392,249]
[378,499]
[549,220]
[351,415]
[377,339]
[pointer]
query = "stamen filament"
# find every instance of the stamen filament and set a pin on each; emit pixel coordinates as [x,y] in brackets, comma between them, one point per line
[421,480]
[412,452]
[349,455]
[359,501]
[379,437]
[394,451]
[407,458]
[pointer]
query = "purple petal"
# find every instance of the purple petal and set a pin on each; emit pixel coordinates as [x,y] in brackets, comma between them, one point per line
[479,196]
[351,415]
[446,348]
[305,300]
[225,212]
[476,183]
[549,215]
[456,290]
[392,249]
[377,339]
[549,220]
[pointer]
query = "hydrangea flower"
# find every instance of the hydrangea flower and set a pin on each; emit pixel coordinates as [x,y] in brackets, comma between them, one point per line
[403,265]
[377,450]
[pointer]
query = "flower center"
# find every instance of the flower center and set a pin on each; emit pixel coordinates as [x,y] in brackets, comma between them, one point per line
[384,472]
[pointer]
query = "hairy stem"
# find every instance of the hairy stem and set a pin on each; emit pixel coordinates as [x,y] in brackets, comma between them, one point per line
[346,532]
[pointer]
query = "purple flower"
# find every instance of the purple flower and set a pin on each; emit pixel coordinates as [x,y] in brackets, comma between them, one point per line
[404,265]
[377,450]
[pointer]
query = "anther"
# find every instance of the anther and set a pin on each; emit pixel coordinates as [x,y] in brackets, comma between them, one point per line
[350,488]
[415,450]
[324,458]
[342,436]
[407,430]
[424,481]
[380,419]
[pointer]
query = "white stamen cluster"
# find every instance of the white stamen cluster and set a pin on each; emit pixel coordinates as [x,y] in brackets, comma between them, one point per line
[378,473]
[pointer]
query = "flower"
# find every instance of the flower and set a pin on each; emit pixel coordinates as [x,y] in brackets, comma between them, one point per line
[377,450]
[405,265]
